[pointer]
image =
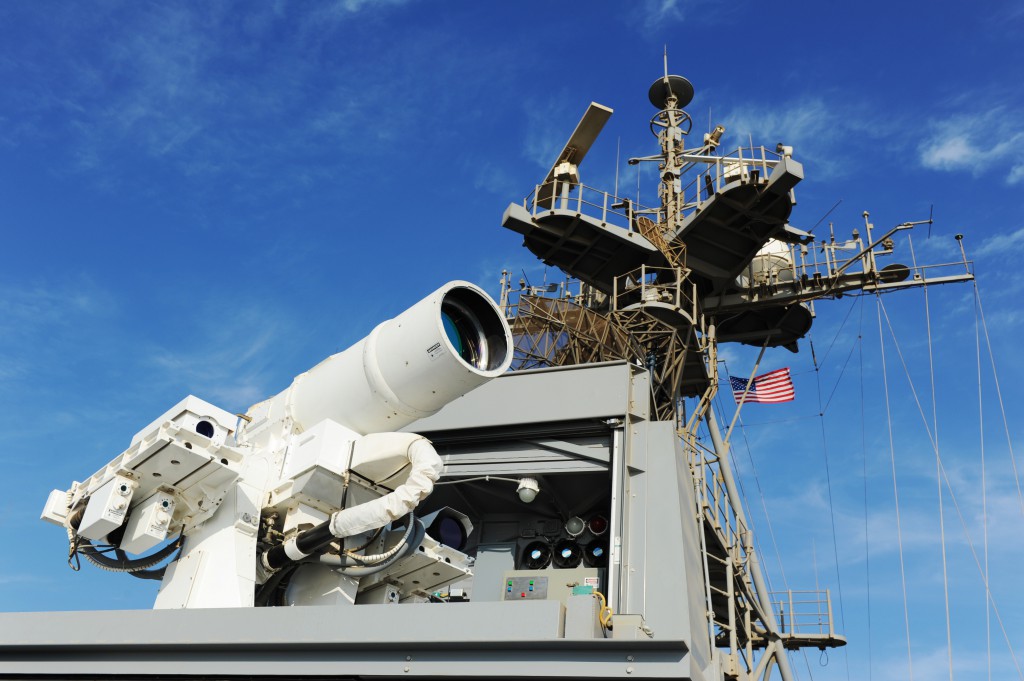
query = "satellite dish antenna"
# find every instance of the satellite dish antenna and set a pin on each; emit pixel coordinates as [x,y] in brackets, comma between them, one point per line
[575,149]
[665,86]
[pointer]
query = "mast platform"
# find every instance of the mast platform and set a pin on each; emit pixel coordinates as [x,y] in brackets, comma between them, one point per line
[589,247]
[735,211]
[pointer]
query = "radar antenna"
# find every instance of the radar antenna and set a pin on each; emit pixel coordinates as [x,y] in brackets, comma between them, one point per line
[565,169]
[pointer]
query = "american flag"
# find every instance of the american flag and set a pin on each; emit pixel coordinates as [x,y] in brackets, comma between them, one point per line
[775,386]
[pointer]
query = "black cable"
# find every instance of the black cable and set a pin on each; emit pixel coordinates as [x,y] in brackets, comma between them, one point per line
[269,587]
[125,564]
[74,562]
[155,574]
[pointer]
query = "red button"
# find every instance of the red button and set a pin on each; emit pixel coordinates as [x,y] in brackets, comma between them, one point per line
[522,595]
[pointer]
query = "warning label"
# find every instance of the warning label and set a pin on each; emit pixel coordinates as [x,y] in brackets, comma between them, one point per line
[435,350]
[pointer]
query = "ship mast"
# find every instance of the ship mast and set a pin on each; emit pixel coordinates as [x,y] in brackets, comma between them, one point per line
[661,286]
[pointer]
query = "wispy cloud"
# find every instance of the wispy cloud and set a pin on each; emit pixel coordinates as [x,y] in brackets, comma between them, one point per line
[668,14]
[1002,245]
[549,121]
[657,12]
[815,126]
[227,361]
[977,142]
[40,321]
[185,87]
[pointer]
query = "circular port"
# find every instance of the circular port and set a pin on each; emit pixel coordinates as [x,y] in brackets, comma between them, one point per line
[536,556]
[474,329]
[449,531]
[574,526]
[568,554]
[205,428]
[595,554]
[598,525]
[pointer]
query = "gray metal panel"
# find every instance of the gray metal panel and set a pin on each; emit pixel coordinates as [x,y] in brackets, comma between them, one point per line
[487,639]
[538,396]
[663,570]
[525,457]
[343,627]
[492,562]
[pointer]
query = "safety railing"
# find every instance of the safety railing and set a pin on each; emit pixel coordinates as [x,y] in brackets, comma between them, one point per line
[604,206]
[664,285]
[713,497]
[804,613]
[744,165]
[799,269]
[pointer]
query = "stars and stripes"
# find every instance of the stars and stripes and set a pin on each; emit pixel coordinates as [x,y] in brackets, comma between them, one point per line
[775,386]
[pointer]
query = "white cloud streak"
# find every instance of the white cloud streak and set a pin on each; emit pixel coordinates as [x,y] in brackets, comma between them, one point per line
[166,88]
[977,143]
[817,127]
[658,12]
[228,363]
[1002,245]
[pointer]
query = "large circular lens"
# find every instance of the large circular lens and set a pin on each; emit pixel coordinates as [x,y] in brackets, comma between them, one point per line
[451,329]
[464,333]
[451,533]
[474,329]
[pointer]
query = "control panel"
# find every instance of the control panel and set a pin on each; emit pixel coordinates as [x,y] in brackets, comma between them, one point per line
[549,585]
[530,587]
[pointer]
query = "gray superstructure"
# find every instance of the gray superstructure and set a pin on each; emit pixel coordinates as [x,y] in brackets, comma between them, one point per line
[584,522]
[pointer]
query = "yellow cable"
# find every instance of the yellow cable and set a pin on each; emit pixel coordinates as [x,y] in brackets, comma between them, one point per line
[605,615]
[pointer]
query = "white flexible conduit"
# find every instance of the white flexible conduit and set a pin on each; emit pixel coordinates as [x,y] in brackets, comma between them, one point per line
[376,452]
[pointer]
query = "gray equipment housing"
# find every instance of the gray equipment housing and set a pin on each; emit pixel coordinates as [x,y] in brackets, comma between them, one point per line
[585,433]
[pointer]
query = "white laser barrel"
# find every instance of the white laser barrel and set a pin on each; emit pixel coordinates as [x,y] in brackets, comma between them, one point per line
[409,367]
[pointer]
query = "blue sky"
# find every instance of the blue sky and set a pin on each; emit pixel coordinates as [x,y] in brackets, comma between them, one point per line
[208,198]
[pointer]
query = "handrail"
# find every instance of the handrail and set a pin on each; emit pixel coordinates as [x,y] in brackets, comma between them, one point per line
[745,164]
[605,206]
[804,613]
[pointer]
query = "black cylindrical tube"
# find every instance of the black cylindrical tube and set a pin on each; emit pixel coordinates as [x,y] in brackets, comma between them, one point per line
[307,542]
[314,538]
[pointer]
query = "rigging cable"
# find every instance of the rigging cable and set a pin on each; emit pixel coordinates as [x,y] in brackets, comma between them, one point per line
[999,394]
[938,469]
[864,463]
[895,487]
[828,473]
[831,505]
[952,495]
[984,489]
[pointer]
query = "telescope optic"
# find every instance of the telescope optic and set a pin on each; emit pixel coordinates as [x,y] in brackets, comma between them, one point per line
[474,331]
